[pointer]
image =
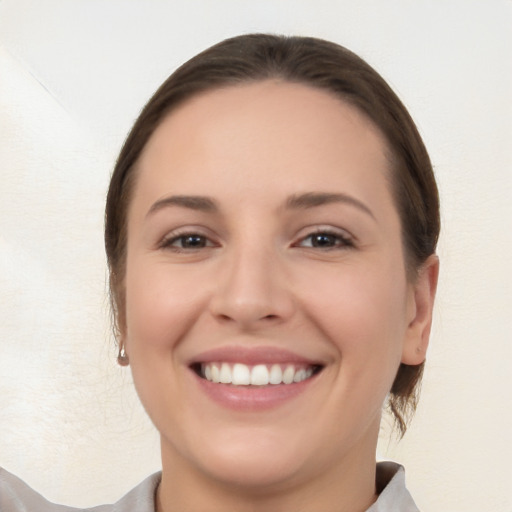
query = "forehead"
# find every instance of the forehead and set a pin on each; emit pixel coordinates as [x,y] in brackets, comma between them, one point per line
[286,134]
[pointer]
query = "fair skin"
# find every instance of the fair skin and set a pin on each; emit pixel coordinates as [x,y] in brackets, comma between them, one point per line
[262,231]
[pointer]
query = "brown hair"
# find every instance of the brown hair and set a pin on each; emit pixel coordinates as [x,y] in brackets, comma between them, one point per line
[320,64]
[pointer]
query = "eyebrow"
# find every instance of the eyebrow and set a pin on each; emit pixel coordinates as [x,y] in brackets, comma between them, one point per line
[314,199]
[200,203]
[294,202]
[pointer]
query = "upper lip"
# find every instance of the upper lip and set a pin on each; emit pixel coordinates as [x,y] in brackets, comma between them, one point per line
[252,356]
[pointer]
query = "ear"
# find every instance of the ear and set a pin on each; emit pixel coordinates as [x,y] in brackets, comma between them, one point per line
[421,304]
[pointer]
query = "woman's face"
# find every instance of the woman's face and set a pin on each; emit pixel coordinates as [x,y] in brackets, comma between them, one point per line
[264,244]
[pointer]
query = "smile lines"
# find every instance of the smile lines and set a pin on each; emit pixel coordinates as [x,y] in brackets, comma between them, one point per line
[239,374]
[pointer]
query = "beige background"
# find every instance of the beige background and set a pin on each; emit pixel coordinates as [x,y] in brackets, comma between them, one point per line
[73,75]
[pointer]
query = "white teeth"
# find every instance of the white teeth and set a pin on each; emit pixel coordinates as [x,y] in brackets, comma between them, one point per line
[276,374]
[259,375]
[300,375]
[215,373]
[288,374]
[240,374]
[225,374]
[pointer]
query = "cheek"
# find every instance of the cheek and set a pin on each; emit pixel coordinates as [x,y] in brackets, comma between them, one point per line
[161,309]
[161,305]
[362,310]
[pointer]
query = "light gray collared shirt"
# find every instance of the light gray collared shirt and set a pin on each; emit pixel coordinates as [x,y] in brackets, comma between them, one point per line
[17,496]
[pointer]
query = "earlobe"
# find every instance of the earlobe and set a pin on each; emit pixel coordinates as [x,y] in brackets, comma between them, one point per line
[420,322]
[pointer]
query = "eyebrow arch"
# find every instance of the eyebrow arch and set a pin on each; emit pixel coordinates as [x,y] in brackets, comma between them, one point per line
[201,203]
[313,199]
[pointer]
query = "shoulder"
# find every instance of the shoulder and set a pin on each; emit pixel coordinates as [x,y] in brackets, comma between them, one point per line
[393,495]
[141,498]
[17,496]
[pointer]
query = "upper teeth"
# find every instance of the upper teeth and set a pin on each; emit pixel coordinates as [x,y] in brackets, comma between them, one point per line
[240,374]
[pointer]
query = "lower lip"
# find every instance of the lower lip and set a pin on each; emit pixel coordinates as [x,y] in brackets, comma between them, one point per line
[253,398]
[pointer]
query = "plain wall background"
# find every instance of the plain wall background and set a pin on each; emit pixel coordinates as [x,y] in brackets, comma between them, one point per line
[73,76]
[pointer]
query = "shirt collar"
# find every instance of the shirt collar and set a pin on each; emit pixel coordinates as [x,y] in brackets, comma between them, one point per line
[390,482]
[393,495]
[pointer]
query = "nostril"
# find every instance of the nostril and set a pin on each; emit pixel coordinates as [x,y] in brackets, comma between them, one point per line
[228,318]
[224,318]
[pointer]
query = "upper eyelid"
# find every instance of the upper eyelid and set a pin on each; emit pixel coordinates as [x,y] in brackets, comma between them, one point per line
[181,232]
[345,240]
[331,230]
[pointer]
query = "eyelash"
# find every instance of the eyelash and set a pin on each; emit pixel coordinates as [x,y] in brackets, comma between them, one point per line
[169,241]
[339,241]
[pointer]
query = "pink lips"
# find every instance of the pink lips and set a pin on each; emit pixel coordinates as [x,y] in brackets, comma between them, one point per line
[252,356]
[252,398]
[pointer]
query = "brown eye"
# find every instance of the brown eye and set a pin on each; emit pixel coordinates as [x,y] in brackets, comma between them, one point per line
[326,240]
[323,240]
[191,241]
[188,241]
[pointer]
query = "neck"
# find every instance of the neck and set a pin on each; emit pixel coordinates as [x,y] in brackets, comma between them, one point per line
[348,487]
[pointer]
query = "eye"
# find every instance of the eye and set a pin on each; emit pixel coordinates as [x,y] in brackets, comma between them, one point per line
[186,242]
[326,240]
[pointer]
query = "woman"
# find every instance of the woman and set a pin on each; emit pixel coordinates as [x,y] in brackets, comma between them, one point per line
[271,227]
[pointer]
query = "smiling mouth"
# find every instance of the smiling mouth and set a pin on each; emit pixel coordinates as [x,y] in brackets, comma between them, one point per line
[239,374]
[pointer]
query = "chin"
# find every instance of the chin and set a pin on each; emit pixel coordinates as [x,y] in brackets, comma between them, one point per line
[250,460]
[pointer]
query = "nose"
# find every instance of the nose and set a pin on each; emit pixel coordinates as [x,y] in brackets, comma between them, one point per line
[252,290]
